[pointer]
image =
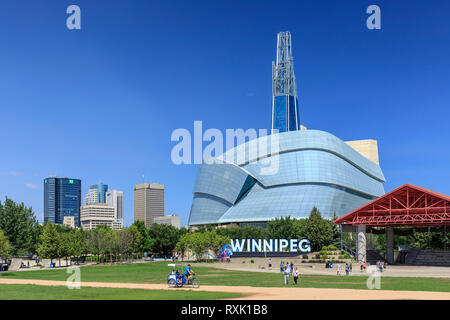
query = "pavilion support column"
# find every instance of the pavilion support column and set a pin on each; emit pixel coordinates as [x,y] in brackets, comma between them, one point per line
[361,244]
[390,244]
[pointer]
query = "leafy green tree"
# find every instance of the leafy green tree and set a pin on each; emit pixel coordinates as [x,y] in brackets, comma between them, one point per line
[318,230]
[198,243]
[49,248]
[140,238]
[182,244]
[20,227]
[164,238]
[282,228]
[5,247]
[77,243]
[336,241]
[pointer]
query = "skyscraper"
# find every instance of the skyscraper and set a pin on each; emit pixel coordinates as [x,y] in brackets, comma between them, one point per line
[115,198]
[285,116]
[62,198]
[148,202]
[96,194]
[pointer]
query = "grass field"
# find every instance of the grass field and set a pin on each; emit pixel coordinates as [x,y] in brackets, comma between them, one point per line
[33,292]
[156,272]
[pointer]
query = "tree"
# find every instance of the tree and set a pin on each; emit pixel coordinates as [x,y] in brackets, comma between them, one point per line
[318,230]
[5,247]
[140,238]
[20,227]
[182,244]
[49,247]
[282,228]
[336,241]
[164,238]
[77,243]
[198,243]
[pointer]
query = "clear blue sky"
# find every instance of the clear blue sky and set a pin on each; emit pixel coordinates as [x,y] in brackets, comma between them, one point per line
[100,103]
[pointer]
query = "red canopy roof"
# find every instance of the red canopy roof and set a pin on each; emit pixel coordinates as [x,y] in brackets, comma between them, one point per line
[407,205]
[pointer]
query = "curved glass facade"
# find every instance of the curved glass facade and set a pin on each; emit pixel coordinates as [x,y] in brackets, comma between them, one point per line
[315,169]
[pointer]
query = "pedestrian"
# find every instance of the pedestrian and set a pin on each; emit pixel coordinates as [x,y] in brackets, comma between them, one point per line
[292,267]
[281,266]
[295,274]
[351,267]
[361,266]
[270,264]
[347,269]
[364,264]
[338,269]
[286,275]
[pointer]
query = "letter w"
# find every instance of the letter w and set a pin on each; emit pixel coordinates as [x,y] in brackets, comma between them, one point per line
[236,246]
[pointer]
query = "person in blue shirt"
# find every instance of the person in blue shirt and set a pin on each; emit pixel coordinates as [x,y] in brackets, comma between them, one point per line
[188,272]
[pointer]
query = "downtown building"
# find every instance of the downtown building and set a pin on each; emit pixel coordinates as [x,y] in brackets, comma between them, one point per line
[96,194]
[314,168]
[62,198]
[148,202]
[97,214]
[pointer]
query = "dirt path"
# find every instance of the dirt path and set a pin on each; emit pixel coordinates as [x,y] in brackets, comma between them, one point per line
[264,293]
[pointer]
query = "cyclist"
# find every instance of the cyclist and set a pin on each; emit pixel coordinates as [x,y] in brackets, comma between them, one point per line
[188,272]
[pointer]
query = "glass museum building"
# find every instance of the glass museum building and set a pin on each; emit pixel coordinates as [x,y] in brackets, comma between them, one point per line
[313,168]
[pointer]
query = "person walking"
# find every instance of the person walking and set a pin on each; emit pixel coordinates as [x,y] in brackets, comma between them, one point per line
[338,269]
[292,267]
[270,264]
[281,266]
[295,275]
[347,269]
[286,275]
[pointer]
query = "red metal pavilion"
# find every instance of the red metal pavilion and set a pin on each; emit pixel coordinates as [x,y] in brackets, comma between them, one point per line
[407,205]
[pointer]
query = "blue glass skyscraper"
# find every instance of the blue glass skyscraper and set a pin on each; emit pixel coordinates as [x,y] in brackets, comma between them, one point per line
[62,197]
[285,115]
[101,191]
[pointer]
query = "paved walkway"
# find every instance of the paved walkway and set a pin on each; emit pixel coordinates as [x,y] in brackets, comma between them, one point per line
[319,269]
[263,293]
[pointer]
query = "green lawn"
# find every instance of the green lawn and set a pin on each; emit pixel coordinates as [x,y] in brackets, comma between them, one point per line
[33,292]
[156,272]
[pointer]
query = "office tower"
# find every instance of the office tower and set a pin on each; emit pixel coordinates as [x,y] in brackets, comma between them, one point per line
[94,215]
[285,115]
[115,198]
[62,198]
[91,197]
[148,202]
[171,219]
[100,189]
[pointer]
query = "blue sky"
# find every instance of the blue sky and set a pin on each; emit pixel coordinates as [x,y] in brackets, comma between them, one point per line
[100,103]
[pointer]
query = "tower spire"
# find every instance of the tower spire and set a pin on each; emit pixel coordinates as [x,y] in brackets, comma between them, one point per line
[285,115]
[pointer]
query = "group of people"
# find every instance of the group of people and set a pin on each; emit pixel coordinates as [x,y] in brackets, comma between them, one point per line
[362,265]
[381,265]
[187,274]
[287,269]
[348,269]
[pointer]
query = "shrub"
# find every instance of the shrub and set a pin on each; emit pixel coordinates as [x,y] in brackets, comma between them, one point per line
[252,261]
[243,261]
[305,256]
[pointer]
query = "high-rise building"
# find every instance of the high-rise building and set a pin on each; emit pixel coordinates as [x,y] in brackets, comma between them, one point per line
[62,198]
[171,220]
[148,202]
[115,198]
[100,189]
[96,214]
[285,116]
[91,197]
